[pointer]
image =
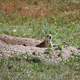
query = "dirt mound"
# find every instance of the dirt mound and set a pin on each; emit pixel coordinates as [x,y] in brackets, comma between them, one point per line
[19,41]
[54,56]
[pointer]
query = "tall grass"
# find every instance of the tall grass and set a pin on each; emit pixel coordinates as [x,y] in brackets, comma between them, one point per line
[60,30]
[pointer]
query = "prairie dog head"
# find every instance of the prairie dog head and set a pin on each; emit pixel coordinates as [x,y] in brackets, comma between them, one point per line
[49,38]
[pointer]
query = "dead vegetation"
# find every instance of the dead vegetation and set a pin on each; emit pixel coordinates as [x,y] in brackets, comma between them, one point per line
[39,8]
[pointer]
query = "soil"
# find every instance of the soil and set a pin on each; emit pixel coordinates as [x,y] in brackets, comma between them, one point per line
[8,49]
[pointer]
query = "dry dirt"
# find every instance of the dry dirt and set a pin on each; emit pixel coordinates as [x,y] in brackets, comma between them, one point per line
[55,56]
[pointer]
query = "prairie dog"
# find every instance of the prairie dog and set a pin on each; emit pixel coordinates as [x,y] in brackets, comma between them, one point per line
[47,42]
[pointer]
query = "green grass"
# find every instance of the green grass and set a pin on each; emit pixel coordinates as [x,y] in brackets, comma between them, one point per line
[61,31]
[18,68]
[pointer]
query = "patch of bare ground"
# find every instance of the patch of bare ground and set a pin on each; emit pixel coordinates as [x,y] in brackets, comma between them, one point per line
[55,56]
